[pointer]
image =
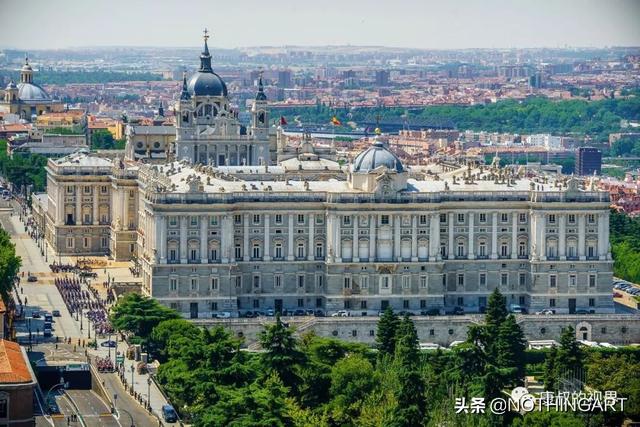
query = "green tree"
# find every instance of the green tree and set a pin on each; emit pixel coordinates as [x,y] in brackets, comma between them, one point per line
[102,140]
[139,314]
[510,351]
[569,360]
[387,333]
[281,354]
[169,330]
[550,369]
[352,379]
[9,263]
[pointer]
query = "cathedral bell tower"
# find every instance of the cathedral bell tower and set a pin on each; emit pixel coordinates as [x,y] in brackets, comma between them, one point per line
[259,113]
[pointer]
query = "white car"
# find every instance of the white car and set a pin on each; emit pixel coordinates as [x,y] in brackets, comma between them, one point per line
[340,313]
[223,315]
[546,311]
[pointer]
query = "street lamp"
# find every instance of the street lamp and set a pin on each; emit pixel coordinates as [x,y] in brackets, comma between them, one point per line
[60,384]
[132,371]
[149,391]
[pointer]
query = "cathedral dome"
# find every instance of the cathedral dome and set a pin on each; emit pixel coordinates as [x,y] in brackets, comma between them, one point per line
[206,83]
[375,156]
[31,92]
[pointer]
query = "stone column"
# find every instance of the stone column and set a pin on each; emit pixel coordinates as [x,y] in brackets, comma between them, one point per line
[397,219]
[514,235]
[157,224]
[338,237]
[541,236]
[162,244]
[290,256]
[606,235]
[78,204]
[125,214]
[471,254]
[602,243]
[562,236]
[267,239]
[414,238]
[96,219]
[372,238]
[434,237]
[246,256]
[451,249]
[355,256]
[226,238]
[183,239]
[204,250]
[494,236]
[330,237]
[581,236]
[312,222]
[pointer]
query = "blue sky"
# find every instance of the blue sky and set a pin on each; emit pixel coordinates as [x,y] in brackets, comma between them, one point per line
[397,23]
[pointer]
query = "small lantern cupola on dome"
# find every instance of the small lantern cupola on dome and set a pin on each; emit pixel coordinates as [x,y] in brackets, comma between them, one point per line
[260,96]
[26,74]
[205,56]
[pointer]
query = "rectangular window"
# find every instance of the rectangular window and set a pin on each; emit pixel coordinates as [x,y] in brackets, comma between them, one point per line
[213,220]
[69,242]
[423,220]
[103,189]
[346,282]
[461,301]
[173,221]
[256,303]
[504,279]
[301,280]
[237,219]
[346,220]
[460,218]
[385,282]
[522,279]
[552,280]
[238,281]
[277,281]
[572,280]
[364,282]
[214,283]
[319,281]
[504,217]
[483,279]
[406,282]
[591,218]
[552,219]
[443,218]
[460,279]
[572,218]
[483,217]
[173,284]
[592,302]
[256,219]
[552,302]
[423,282]
[300,302]
[384,219]
[87,190]
[423,303]
[214,306]
[405,304]
[300,219]
[256,282]
[237,252]
[278,219]
[319,302]
[363,304]
[194,284]
[592,280]
[522,218]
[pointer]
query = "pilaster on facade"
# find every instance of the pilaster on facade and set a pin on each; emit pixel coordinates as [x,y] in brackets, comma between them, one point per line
[494,235]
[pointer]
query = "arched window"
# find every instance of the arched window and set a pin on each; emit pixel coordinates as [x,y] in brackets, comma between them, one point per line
[278,250]
[482,248]
[504,248]
[460,251]
[522,248]
[572,248]
[194,248]
[256,253]
[214,251]
[319,250]
[300,251]
[552,248]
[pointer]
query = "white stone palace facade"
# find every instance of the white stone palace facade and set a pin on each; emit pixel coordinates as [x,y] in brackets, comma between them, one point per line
[214,227]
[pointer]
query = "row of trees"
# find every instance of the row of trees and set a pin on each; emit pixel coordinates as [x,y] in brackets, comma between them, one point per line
[596,118]
[9,263]
[23,169]
[313,381]
[103,140]
[625,246]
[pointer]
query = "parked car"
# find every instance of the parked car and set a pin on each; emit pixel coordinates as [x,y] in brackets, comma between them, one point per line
[48,318]
[223,315]
[32,278]
[516,309]
[169,414]
[318,313]
[308,312]
[458,311]
[546,311]
[430,312]
[110,343]
[35,314]
[55,313]
[248,314]
[46,332]
[582,311]
[270,312]
[340,313]
[298,312]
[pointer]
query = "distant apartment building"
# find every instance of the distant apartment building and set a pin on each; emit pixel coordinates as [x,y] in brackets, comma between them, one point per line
[588,161]
[284,79]
[544,140]
[382,78]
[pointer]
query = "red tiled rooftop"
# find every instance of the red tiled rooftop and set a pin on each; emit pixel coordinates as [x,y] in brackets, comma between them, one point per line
[13,366]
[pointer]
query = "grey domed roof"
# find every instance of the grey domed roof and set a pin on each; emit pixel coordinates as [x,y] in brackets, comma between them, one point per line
[375,156]
[31,92]
[206,83]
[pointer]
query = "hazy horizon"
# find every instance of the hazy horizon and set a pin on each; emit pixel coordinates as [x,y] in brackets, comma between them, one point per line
[409,24]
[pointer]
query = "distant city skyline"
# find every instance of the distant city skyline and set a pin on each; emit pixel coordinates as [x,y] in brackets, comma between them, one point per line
[403,23]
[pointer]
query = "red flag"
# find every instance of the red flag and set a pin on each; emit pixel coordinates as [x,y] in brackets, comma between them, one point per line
[283,121]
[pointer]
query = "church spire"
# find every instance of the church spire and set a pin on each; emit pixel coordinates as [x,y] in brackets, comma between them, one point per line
[205,56]
[260,96]
[185,93]
[160,109]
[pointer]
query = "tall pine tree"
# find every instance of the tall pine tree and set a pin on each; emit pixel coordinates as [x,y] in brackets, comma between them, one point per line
[387,331]
[510,346]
